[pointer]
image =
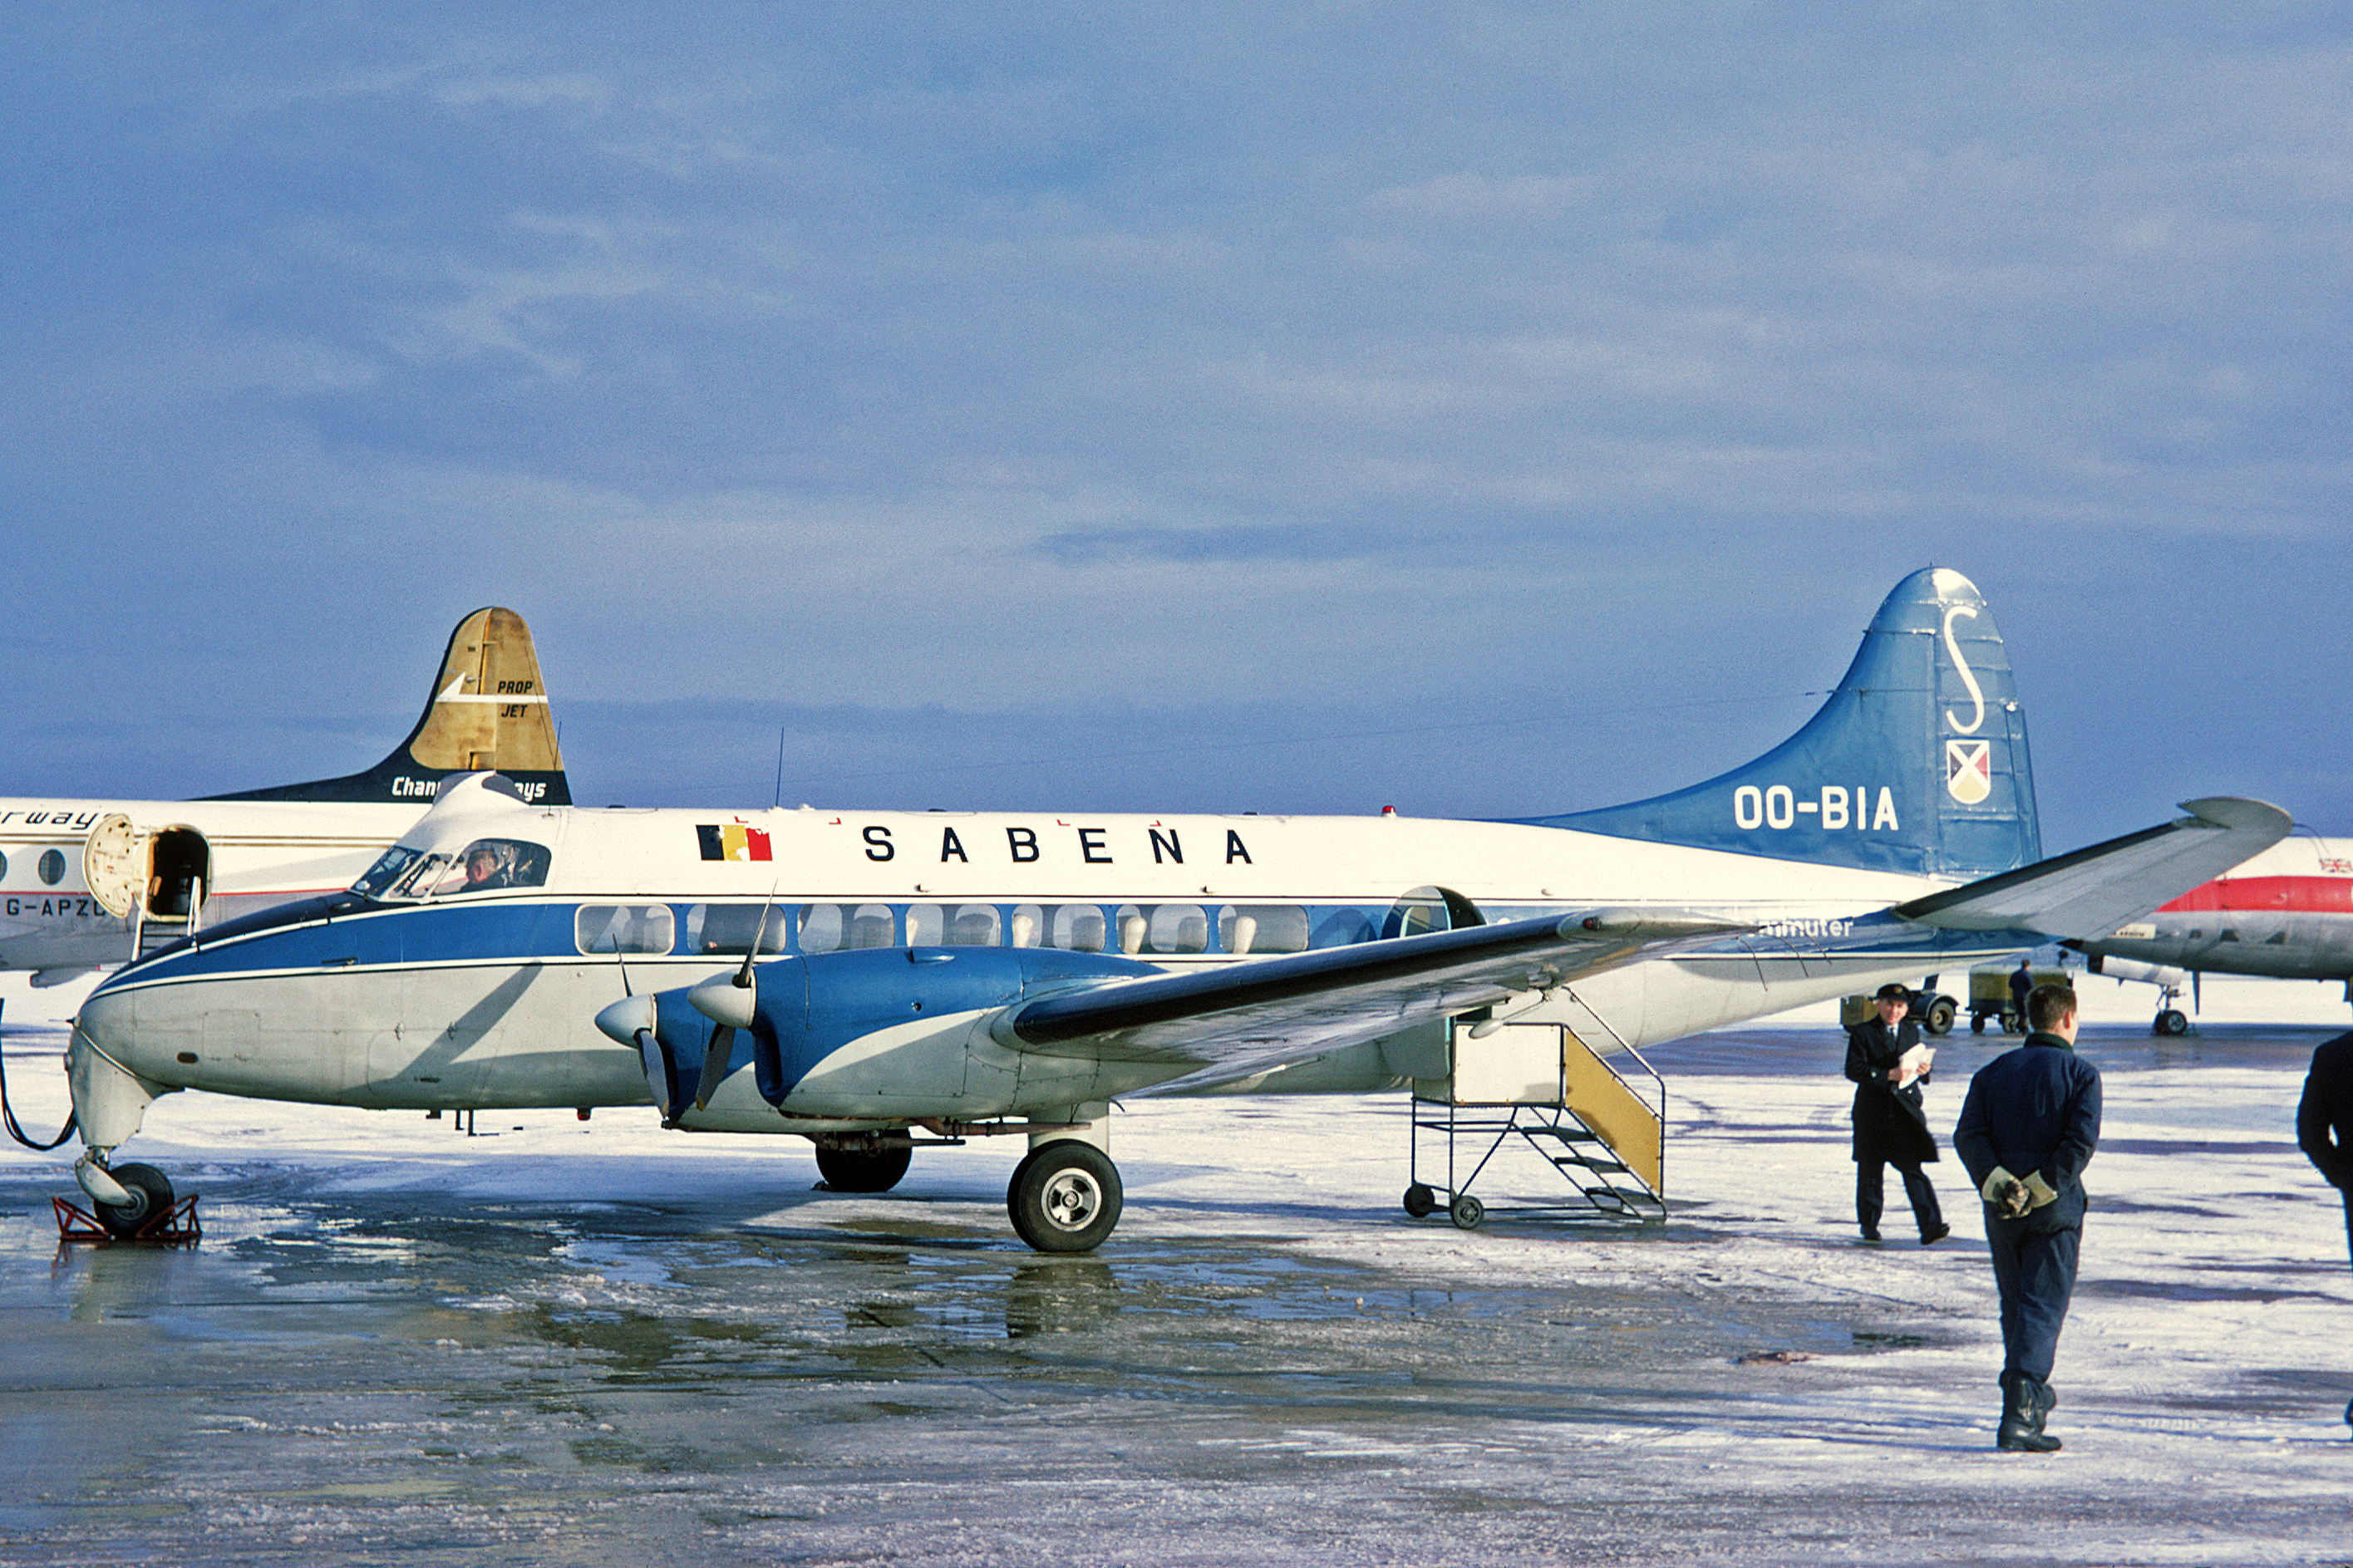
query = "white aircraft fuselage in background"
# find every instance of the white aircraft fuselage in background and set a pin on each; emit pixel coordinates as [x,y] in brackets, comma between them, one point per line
[80,877]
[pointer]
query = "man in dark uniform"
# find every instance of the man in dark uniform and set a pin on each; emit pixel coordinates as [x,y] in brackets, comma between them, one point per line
[1890,1126]
[2021,984]
[2324,1119]
[2027,1130]
[2323,1125]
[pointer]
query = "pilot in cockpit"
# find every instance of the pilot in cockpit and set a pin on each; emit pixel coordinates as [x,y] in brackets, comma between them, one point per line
[487,867]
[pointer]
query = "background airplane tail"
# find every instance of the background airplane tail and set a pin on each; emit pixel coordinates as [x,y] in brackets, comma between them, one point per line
[488,709]
[1918,764]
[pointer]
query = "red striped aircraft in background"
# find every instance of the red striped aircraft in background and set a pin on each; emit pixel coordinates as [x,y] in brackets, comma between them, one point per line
[2286,915]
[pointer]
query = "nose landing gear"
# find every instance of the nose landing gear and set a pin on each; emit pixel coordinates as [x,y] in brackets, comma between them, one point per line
[128,1203]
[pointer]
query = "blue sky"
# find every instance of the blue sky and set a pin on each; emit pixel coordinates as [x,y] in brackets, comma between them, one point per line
[1484,410]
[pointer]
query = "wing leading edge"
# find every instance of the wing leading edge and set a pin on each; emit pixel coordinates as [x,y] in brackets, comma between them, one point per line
[1255,1018]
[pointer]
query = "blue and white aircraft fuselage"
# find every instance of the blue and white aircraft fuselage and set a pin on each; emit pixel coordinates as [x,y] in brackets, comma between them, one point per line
[850,975]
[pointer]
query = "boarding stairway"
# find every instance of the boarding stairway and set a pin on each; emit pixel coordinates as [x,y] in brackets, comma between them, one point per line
[1541,1087]
[151,931]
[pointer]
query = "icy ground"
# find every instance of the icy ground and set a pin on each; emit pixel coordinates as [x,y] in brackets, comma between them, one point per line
[588,1342]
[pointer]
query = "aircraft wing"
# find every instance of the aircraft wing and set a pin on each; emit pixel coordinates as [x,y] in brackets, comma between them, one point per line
[1246,1018]
[2089,893]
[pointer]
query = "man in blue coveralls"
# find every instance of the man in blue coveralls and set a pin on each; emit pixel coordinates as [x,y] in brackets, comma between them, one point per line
[2027,1130]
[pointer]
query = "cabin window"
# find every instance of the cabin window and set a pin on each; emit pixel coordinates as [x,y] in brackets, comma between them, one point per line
[1341,928]
[1028,924]
[821,927]
[1076,928]
[872,925]
[728,927]
[3,865]
[1423,910]
[52,867]
[975,925]
[926,925]
[1262,928]
[1130,925]
[623,927]
[1179,928]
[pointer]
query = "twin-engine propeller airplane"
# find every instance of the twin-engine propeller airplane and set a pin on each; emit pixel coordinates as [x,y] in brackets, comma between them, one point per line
[83,883]
[858,978]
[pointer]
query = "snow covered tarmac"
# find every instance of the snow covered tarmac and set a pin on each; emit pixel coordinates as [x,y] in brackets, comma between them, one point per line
[585,1342]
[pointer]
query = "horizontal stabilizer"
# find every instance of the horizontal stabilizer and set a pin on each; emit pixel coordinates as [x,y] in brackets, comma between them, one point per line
[2087,894]
[1253,1017]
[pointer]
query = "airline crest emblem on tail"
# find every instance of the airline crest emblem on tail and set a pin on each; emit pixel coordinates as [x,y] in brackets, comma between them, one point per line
[1968,770]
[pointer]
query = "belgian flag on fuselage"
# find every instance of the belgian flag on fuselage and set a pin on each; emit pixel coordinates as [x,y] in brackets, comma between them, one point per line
[732,841]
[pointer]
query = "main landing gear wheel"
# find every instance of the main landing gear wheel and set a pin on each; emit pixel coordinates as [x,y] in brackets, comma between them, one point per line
[2172,1021]
[863,1170]
[1466,1212]
[1064,1197]
[1419,1201]
[151,1200]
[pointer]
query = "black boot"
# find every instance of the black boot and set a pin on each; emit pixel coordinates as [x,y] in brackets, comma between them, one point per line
[2026,1401]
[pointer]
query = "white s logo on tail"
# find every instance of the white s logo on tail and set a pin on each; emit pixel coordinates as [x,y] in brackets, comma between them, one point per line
[1968,678]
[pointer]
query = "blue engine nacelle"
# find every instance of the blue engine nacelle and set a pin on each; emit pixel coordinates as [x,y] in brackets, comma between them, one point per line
[798,1017]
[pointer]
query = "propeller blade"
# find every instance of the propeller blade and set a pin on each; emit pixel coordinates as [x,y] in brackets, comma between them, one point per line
[657,1074]
[715,1064]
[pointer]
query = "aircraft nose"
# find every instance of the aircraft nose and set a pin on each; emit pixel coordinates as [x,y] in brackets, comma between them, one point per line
[622,1021]
[105,1021]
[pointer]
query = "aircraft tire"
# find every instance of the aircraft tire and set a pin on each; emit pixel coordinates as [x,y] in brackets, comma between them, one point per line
[152,1198]
[1940,1015]
[1064,1197]
[1419,1201]
[2172,1021]
[1466,1212]
[863,1170]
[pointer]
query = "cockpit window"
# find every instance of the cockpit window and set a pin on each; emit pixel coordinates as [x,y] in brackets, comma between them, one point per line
[378,878]
[486,865]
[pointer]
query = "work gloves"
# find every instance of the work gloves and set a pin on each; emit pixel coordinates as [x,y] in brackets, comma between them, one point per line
[2013,1198]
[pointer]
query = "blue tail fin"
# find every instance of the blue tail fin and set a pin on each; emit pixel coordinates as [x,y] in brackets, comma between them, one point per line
[1917,763]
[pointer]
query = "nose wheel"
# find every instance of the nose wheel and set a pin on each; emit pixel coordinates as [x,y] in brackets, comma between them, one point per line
[151,1199]
[128,1203]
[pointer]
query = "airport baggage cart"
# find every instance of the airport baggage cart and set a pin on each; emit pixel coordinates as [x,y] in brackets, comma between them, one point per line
[1520,1089]
[1991,996]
